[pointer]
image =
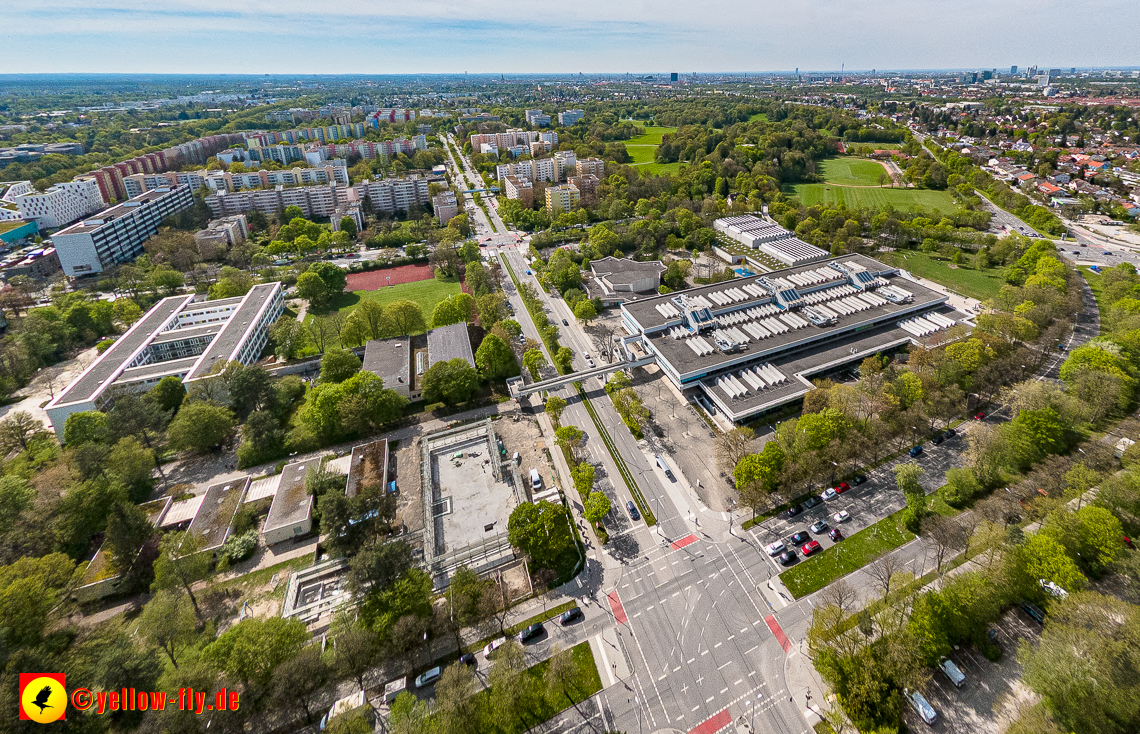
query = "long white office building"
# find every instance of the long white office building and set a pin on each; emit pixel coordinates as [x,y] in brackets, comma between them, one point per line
[179,337]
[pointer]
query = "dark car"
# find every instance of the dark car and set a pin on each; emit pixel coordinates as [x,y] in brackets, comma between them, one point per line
[795,510]
[949,433]
[565,322]
[915,451]
[1033,611]
[810,548]
[787,558]
[633,513]
[811,502]
[570,616]
[859,480]
[467,658]
[532,632]
[835,534]
[937,439]
[800,537]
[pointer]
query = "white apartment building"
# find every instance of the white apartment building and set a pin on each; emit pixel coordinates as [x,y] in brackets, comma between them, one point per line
[224,232]
[519,188]
[569,117]
[138,183]
[538,169]
[446,206]
[562,198]
[564,159]
[394,194]
[60,205]
[321,200]
[334,170]
[118,233]
[489,149]
[592,166]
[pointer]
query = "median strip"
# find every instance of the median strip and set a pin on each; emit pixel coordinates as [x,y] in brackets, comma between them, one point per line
[634,490]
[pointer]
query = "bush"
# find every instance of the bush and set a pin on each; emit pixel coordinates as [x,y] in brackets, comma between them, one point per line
[240,547]
[961,487]
[911,520]
[104,345]
[301,440]
[245,520]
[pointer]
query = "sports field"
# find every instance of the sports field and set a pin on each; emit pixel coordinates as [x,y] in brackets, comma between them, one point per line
[427,293]
[851,171]
[642,148]
[371,280]
[874,197]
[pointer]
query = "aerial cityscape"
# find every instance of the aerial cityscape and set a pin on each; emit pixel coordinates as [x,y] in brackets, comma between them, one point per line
[416,389]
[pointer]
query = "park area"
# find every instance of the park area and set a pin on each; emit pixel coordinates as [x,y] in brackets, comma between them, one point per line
[853,172]
[980,284]
[642,149]
[874,197]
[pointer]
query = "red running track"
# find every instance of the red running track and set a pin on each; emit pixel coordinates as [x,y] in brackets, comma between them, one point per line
[374,280]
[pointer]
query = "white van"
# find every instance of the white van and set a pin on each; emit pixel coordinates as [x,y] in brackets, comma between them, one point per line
[919,703]
[535,479]
[956,676]
[393,689]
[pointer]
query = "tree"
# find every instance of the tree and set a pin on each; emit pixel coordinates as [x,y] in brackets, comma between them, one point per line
[946,534]
[758,475]
[453,381]
[355,651]
[201,427]
[1092,535]
[534,360]
[568,436]
[168,394]
[333,276]
[348,225]
[406,317]
[290,337]
[251,650]
[509,688]
[376,566]
[585,312]
[597,506]
[1042,557]
[554,407]
[127,529]
[131,464]
[906,479]
[583,474]
[15,497]
[465,600]
[454,700]
[298,680]
[167,621]
[338,365]
[138,417]
[884,570]
[541,530]
[30,590]
[87,426]
[732,446]
[312,288]
[495,358]
[491,307]
[19,429]
[180,565]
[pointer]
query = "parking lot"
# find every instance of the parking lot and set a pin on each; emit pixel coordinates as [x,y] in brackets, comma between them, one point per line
[992,694]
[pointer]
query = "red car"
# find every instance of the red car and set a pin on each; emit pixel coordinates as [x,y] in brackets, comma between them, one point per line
[979,416]
[810,548]
[843,487]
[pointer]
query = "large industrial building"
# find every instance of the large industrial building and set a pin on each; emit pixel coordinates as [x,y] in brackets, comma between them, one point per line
[769,238]
[747,346]
[178,337]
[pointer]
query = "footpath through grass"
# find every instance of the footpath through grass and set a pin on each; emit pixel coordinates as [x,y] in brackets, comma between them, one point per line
[980,284]
[642,149]
[850,554]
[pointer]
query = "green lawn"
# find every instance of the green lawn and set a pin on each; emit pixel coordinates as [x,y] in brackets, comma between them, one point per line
[814,573]
[427,293]
[869,197]
[875,146]
[851,171]
[642,148]
[651,135]
[982,285]
[758,116]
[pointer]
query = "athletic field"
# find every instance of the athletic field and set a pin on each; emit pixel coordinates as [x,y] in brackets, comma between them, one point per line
[867,197]
[851,171]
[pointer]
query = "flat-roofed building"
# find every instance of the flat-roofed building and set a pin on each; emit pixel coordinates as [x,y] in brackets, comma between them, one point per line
[621,277]
[367,467]
[586,184]
[595,166]
[177,337]
[450,342]
[291,512]
[562,198]
[216,513]
[519,188]
[391,361]
[446,206]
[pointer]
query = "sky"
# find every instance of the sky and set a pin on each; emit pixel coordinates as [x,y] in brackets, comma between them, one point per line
[590,36]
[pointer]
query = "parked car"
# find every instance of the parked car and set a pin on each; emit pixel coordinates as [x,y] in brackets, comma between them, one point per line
[819,526]
[841,516]
[429,677]
[794,510]
[915,451]
[835,534]
[938,438]
[828,495]
[1033,611]
[980,415]
[949,433]
[565,322]
[842,487]
[859,479]
[532,632]
[921,705]
[952,672]
[468,659]
[632,509]
[810,548]
[493,645]
[775,549]
[800,537]
[787,558]
[811,502]
[570,616]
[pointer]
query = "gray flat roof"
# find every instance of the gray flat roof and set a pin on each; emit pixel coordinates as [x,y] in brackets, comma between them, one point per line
[292,503]
[87,385]
[449,342]
[176,335]
[171,367]
[390,360]
[119,210]
[369,462]
[220,504]
[230,337]
[201,305]
[623,270]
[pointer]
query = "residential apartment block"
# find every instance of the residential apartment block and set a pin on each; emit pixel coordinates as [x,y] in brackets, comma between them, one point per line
[519,188]
[117,234]
[565,160]
[225,232]
[538,169]
[445,206]
[569,117]
[110,178]
[562,198]
[586,184]
[320,200]
[394,115]
[61,204]
[509,139]
[181,337]
[594,166]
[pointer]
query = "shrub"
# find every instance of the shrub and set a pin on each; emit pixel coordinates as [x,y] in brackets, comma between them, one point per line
[240,547]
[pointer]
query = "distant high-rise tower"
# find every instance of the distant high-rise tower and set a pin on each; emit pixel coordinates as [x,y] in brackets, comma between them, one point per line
[1013,71]
[673,76]
[1072,70]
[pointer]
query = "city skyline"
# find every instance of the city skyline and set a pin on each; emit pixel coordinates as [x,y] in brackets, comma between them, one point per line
[209,36]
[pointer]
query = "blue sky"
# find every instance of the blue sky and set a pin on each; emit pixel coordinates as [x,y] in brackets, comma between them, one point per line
[443,36]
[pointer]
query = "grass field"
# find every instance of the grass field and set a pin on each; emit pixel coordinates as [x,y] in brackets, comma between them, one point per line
[758,116]
[868,197]
[875,146]
[850,554]
[642,148]
[427,293]
[851,171]
[982,284]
